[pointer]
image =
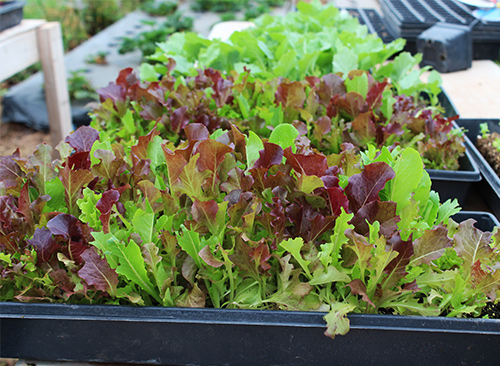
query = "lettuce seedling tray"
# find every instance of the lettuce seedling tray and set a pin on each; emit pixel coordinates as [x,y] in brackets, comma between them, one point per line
[188,336]
[489,188]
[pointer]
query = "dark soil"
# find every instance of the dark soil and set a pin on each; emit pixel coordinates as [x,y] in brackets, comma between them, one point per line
[490,152]
[491,310]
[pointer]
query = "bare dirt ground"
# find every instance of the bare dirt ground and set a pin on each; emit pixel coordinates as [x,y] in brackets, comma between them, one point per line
[14,135]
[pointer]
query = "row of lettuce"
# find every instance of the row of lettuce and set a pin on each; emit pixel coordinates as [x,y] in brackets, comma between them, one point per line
[204,186]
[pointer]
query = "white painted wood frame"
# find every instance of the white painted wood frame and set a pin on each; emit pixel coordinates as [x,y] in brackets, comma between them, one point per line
[36,40]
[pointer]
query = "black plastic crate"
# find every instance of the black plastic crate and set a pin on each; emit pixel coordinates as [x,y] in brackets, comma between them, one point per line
[407,19]
[11,14]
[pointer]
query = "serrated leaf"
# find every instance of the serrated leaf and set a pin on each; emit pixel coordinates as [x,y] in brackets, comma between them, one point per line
[330,251]
[430,246]
[294,246]
[131,264]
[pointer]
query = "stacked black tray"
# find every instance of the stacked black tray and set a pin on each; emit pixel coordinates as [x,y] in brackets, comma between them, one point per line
[374,21]
[408,18]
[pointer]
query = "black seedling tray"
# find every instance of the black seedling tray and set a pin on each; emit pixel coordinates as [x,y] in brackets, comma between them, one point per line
[374,21]
[11,14]
[455,184]
[407,19]
[489,188]
[183,336]
[485,221]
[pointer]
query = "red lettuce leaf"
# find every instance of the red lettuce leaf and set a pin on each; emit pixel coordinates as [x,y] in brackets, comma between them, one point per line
[364,187]
[97,273]
[44,245]
[105,205]
[359,288]
[272,154]
[315,164]
[10,173]
[383,212]
[212,153]
[337,200]
[83,138]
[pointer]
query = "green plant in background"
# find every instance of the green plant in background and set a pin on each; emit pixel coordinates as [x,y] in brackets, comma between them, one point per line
[79,87]
[256,10]
[155,8]
[79,19]
[219,6]
[259,7]
[486,133]
[146,41]
[484,130]
[99,58]
[225,17]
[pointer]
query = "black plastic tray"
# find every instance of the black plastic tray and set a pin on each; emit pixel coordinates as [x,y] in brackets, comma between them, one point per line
[407,19]
[455,184]
[485,221]
[489,189]
[11,14]
[374,21]
[182,336]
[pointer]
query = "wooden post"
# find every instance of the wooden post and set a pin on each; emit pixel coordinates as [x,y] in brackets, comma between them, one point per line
[50,48]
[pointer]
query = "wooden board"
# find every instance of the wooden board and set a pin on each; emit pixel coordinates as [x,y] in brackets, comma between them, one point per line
[475,92]
[19,47]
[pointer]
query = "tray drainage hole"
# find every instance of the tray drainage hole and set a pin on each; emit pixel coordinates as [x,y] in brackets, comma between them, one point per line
[443,57]
[429,41]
